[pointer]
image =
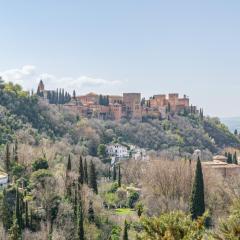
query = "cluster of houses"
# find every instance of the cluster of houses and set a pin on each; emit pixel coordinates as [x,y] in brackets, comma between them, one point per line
[128,105]
[118,152]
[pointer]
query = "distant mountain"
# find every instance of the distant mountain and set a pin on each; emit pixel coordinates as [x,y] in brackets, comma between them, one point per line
[232,123]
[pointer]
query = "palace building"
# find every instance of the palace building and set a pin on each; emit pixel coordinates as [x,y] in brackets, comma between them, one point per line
[128,105]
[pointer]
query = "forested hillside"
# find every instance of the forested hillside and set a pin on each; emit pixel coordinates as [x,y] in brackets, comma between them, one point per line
[60,187]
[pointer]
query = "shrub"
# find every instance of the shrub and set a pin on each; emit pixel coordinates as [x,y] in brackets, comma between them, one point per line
[40,163]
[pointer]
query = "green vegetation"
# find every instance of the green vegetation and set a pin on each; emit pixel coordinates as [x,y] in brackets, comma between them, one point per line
[197,203]
[62,185]
[124,211]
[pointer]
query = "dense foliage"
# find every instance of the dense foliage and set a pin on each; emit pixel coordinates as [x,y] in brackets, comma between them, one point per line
[63,186]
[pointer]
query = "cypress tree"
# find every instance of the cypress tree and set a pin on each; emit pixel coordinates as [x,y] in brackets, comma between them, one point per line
[80,222]
[235,160]
[93,178]
[16,151]
[229,158]
[26,214]
[74,94]
[114,173]
[81,171]
[75,206]
[14,231]
[68,183]
[7,158]
[31,219]
[125,231]
[109,173]
[91,216]
[197,204]
[85,171]
[119,176]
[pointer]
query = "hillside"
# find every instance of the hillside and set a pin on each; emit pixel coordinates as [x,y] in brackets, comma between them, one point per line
[184,132]
[60,186]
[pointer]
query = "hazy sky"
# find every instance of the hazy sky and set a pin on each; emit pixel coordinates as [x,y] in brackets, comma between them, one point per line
[145,46]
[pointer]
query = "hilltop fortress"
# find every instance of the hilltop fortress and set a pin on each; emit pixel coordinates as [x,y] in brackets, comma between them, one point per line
[116,107]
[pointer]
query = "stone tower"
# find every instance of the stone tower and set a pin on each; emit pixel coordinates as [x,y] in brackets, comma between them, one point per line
[41,87]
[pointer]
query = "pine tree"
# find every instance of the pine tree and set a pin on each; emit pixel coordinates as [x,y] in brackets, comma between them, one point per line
[68,183]
[114,173]
[93,178]
[85,171]
[91,216]
[81,171]
[125,230]
[119,176]
[197,204]
[7,158]
[80,222]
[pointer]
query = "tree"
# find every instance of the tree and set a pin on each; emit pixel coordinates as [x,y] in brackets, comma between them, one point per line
[7,158]
[140,209]
[14,231]
[109,173]
[16,151]
[114,173]
[91,216]
[101,150]
[85,171]
[40,163]
[229,158]
[229,228]
[119,176]
[93,178]
[26,214]
[235,159]
[68,183]
[173,225]
[80,222]
[197,203]
[81,171]
[125,230]
[18,210]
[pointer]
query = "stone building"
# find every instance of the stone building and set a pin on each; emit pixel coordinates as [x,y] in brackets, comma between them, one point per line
[115,99]
[88,99]
[132,105]
[220,166]
[129,105]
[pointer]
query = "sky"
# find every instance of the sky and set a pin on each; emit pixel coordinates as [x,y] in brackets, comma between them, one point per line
[147,46]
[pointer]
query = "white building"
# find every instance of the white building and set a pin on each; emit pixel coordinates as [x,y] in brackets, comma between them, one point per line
[117,150]
[3,179]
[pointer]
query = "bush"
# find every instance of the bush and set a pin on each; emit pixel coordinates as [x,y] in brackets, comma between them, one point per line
[40,163]
[114,187]
[132,199]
